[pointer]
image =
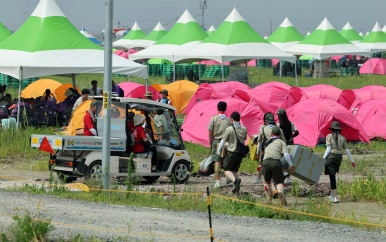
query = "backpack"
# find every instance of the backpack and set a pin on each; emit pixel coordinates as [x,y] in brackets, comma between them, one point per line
[206,167]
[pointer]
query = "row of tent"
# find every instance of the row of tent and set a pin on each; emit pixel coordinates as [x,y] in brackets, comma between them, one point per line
[235,40]
[360,111]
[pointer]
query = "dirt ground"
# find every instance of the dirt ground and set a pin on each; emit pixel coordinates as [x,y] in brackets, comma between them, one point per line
[372,212]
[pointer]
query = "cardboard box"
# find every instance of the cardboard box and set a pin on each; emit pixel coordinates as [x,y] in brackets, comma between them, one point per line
[308,166]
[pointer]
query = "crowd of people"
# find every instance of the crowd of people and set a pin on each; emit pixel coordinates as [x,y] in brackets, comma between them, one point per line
[271,141]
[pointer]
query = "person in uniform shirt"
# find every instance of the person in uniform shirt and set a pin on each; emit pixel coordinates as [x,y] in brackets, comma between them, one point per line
[161,126]
[216,127]
[95,90]
[335,143]
[264,134]
[89,121]
[232,160]
[272,166]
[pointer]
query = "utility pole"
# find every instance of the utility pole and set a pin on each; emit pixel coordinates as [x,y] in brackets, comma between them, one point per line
[203,7]
[107,95]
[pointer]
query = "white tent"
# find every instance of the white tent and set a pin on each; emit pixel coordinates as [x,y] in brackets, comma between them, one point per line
[48,44]
[374,41]
[234,40]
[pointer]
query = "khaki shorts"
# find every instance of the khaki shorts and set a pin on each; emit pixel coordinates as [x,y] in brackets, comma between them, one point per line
[213,151]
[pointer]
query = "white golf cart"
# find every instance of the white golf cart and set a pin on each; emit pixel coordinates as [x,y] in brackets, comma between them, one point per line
[78,156]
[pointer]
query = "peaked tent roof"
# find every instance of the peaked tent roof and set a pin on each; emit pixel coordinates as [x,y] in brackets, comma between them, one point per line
[182,36]
[375,41]
[313,124]
[325,41]
[285,36]
[4,32]
[56,48]
[133,36]
[199,116]
[211,30]
[233,40]
[384,28]
[350,33]
[156,34]
[90,37]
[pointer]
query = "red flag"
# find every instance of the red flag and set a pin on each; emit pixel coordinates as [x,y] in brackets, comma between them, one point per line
[45,146]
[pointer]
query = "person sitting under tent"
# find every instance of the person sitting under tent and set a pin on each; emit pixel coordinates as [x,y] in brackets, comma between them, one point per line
[81,99]
[95,90]
[89,121]
[117,89]
[48,96]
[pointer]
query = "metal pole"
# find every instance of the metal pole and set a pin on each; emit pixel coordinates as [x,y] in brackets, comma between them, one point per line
[222,68]
[18,101]
[73,81]
[296,74]
[210,215]
[107,95]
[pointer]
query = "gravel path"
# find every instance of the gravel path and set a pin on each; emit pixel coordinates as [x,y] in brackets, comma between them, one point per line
[111,222]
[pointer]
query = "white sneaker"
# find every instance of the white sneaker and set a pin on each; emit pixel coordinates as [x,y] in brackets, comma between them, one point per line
[334,199]
[217,185]
[288,181]
[258,181]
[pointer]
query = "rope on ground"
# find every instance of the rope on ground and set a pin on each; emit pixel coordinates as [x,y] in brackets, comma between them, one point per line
[116,230]
[300,212]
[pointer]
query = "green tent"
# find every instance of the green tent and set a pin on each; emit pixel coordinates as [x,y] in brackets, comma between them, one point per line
[156,34]
[285,36]
[234,40]
[158,61]
[374,41]
[182,36]
[133,36]
[4,32]
[325,41]
[349,33]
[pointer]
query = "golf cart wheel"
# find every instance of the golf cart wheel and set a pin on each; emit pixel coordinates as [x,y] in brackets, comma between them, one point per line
[65,178]
[180,171]
[151,178]
[94,171]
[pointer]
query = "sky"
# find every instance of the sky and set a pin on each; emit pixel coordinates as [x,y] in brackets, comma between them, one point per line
[263,15]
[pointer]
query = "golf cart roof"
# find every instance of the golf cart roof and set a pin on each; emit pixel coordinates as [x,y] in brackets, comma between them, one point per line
[139,103]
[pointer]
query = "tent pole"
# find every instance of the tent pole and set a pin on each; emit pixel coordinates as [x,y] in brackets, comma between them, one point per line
[222,68]
[18,102]
[147,78]
[73,81]
[174,70]
[296,74]
[280,68]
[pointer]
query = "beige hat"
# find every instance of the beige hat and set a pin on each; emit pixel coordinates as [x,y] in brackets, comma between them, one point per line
[138,119]
[148,94]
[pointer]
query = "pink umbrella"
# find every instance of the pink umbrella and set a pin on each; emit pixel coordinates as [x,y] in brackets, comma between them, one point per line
[125,53]
[197,120]
[374,66]
[135,90]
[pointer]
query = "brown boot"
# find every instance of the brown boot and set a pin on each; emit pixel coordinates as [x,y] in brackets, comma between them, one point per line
[282,199]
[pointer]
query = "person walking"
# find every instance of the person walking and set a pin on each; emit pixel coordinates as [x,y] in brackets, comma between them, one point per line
[272,167]
[232,160]
[289,131]
[335,143]
[264,134]
[217,126]
[89,121]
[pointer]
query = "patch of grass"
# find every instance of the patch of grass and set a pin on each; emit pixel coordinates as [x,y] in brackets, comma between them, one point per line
[369,189]
[25,229]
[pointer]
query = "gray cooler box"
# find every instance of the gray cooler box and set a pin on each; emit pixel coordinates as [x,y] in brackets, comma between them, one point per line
[308,166]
